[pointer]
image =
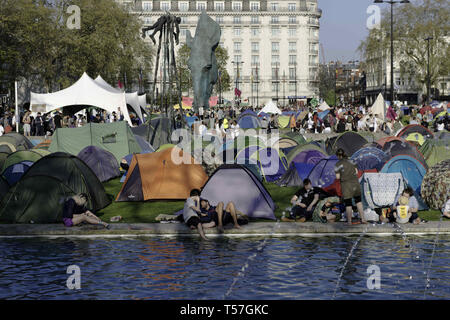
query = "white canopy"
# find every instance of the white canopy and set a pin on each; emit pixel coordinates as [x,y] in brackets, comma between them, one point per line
[143,101]
[324,106]
[378,108]
[131,98]
[83,92]
[270,107]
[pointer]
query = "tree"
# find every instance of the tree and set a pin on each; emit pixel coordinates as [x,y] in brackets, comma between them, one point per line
[412,24]
[327,84]
[182,65]
[36,44]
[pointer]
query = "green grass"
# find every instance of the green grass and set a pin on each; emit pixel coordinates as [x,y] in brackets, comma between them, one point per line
[146,212]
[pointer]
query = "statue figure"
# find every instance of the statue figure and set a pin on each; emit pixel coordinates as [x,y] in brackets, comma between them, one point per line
[168,19]
[202,60]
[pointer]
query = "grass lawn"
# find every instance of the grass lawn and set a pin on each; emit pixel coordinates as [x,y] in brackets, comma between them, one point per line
[146,212]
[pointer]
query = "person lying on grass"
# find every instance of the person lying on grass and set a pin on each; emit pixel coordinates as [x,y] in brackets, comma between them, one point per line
[191,213]
[75,212]
[218,215]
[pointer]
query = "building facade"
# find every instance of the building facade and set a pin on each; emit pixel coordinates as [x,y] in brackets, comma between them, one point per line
[273,45]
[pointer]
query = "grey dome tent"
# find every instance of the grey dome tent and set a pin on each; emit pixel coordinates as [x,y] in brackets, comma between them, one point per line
[157,132]
[39,195]
[102,162]
[236,183]
[290,178]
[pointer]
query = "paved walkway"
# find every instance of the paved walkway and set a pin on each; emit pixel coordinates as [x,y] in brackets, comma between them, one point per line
[252,229]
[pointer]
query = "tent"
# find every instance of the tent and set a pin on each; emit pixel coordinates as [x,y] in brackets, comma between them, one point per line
[102,162]
[323,107]
[308,153]
[411,169]
[25,155]
[435,189]
[349,141]
[368,158]
[84,92]
[435,151]
[156,132]
[227,184]
[286,143]
[14,172]
[415,128]
[270,107]
[115,137]
[248,112]
[415,138]
[145,146]
[290,178]
[40,194]
[249,122]
[157,176]
[4,187]
[378,108]
[44,145]
[296,136]
[20,140]
[323,175]
[399,146]
[283,121]
[9,144]
[272,163]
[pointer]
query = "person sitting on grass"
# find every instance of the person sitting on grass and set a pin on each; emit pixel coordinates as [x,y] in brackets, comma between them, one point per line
[191,212]
[217,214]
[412,206]
[304,202]
[328,209]
[75,212]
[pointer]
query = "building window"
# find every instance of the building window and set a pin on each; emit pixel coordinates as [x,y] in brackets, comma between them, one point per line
[255,59]
[274,86]
[148,20]
[254,6]
[274,19]
[292,32]
[275,31]
[219,6]
[292,74]
[313,48]
[312,59]
[275,46]
[201,6]
[165,6]
[292,59]
[255,46]
[237,6]
[237,58]
[292,20]
[237,32]
[292,46]
[255,32]
[274,73]
[183,32]
[183,6]
[275,58]
[254,19]
[147,6]
[291,7]
[237,47]
[184,20]
[274,6]
[292,86]
[219,19]
[236,19]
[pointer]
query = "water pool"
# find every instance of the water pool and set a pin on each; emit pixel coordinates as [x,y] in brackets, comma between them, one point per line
[224,268]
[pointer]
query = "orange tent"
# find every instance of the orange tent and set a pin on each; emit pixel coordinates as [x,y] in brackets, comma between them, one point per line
[163,175]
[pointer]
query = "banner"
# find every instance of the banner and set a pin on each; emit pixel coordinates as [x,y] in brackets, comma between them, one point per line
[237,92]
[213,101]
[187,101]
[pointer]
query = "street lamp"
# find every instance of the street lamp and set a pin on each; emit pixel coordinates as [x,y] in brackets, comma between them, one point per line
[428,69]
[237,77]
[276,80]
[392,40]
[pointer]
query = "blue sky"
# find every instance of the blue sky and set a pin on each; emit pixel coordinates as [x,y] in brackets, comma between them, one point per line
[342,27]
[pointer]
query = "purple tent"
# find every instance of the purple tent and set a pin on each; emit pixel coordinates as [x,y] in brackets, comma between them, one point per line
[323,175]
[309,156]
[238,184]
[102,162]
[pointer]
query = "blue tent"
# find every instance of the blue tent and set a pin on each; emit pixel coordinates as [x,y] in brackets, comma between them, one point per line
[145,145]
[323,174]
[14,172]
[190,120]
[303,169]
[247,112]
[369,158]
[249,122]
[412,171]
[272,164]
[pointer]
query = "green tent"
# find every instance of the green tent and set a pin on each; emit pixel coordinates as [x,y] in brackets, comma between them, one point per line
[294,152]
[20,140]
[115,137]
[283,121]
[165,146]
[9,144]
[296,136]
[4,187]
[25,155]
[40,194]
[435,150]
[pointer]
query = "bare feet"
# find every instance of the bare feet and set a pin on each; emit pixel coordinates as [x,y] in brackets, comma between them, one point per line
[302,219]
[220,229]
[237,226]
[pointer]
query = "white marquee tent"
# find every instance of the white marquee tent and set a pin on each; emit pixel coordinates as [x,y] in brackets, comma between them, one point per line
[324,106]
[270,107]
[378,108]
[85,91]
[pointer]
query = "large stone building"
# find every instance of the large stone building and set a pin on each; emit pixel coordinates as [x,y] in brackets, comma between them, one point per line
[275,44]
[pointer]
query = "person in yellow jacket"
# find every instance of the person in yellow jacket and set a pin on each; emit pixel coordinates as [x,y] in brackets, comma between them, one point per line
[225,124]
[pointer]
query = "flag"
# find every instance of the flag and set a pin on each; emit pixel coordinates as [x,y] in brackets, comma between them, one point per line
[119,84]
[237,92]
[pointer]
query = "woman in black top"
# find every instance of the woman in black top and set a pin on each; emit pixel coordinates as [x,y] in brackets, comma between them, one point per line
[75,212]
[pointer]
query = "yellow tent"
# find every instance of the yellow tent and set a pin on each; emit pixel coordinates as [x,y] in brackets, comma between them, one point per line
[185,107]
[416,137]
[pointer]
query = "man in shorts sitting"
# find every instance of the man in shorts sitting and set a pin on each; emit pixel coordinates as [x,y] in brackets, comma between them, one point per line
[218,215]
[191,212]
